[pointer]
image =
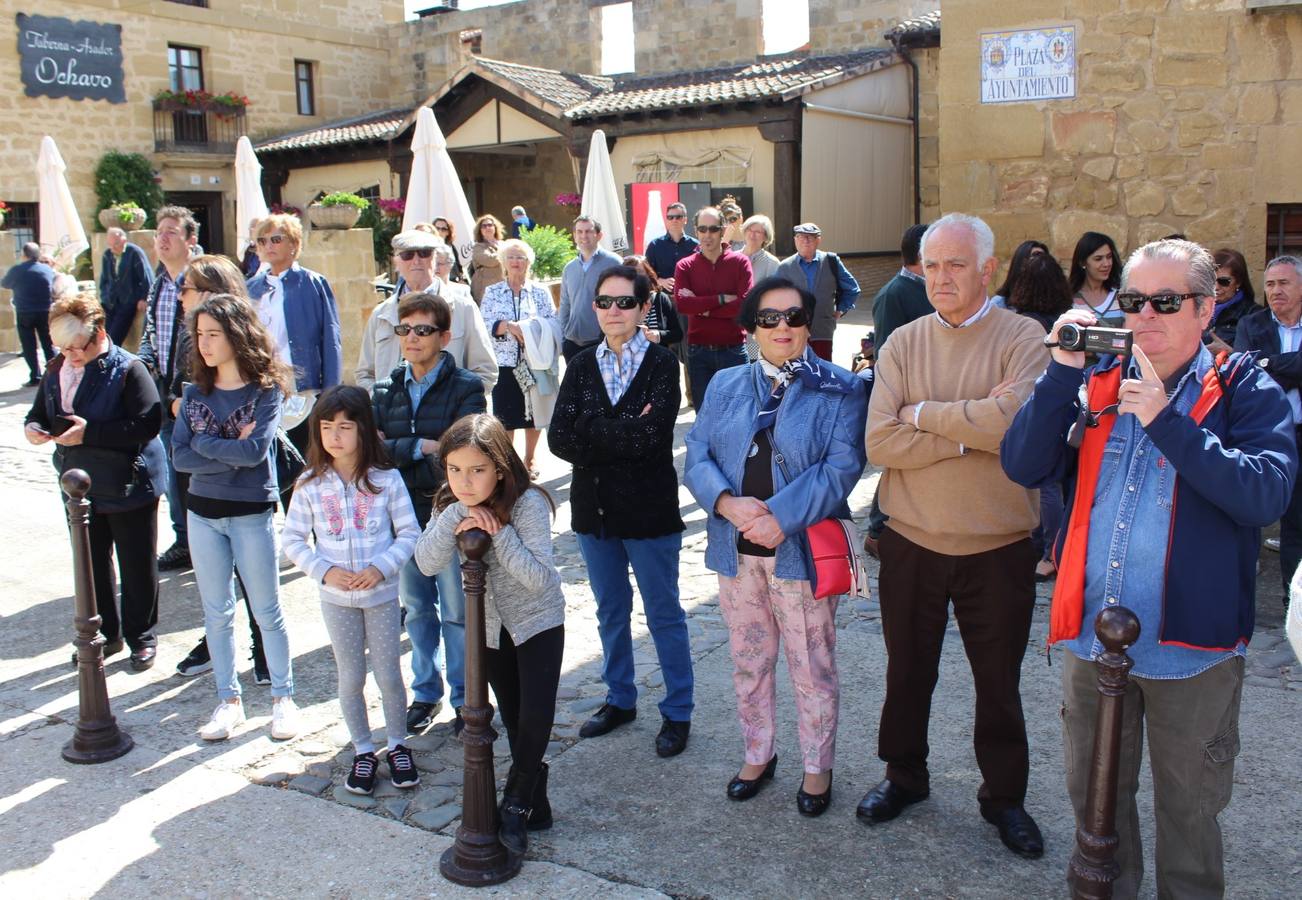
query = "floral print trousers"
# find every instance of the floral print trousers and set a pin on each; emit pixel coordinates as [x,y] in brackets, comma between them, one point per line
[760,609]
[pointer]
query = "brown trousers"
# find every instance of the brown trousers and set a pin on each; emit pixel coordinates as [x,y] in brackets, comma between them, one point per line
[1193,738]
[993,595]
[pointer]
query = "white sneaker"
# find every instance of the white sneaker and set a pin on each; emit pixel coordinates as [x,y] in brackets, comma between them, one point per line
[284,719]
[225,719]
[1272,544]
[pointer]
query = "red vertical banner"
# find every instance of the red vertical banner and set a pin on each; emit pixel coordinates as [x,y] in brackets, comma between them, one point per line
[642,211]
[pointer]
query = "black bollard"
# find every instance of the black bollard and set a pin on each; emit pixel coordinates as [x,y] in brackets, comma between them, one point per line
[1093,867]
[477,859]
[97,737]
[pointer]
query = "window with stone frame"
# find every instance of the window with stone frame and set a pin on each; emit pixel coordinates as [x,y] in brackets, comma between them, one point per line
[305,87]
[1283,230]
[20,227]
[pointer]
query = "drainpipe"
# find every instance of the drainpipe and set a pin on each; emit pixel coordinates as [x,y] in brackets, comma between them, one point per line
[917,136]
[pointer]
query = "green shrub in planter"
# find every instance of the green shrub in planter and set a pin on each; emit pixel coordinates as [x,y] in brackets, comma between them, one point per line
[343,198]
[124,177]
[552,248]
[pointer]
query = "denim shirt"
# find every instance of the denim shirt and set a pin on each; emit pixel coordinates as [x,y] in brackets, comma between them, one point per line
[820,434]
[1130,526]
[416,390]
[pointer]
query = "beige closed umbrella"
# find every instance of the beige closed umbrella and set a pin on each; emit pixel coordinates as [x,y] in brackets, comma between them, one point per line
[249,201]
[601,196]
[434,189]
[62,235]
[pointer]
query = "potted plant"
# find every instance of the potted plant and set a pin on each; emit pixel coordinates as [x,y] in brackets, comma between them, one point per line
[569,201]
[338,210]
[393,209]
[126,215]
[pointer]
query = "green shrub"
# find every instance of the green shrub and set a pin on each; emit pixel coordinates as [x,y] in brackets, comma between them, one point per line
[126,177]
[383,228]
[552,248]
[343,198]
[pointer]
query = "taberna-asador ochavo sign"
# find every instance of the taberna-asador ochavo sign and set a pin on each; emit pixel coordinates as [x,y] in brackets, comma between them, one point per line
[78,60]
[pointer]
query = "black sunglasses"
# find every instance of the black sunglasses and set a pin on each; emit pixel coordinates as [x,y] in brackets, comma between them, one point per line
[769,318]
[1225,281]
[673,217]
[708,229]
[604,302]
[270,239]
[1165,303]
[421,330]
[423,253]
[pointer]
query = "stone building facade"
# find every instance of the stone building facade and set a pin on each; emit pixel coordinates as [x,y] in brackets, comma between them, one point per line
[1187,118]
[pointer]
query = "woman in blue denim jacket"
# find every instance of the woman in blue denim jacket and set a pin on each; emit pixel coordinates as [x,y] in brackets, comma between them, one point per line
[777,446]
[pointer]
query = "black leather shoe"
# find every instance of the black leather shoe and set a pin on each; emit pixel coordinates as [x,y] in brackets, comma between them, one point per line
[421,716]
[176,556]
[607,719]
[540,814]
[886,801]
[143,658]
[743,789]
[1017,830]
[814,805]
[672,739]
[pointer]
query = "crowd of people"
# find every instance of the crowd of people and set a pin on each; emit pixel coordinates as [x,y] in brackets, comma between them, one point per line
[1008,456]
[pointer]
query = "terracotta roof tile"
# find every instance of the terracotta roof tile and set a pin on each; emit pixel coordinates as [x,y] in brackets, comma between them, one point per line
[370,127]
[920,31]
[564,89]
[778,78]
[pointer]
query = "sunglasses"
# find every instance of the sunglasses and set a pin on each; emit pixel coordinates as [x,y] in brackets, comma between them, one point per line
[708,229]
[421,330]
[409,255]
[732,220]
[1225,281]
[769,318]
[1165,304]
[626,302]
[276,239]
[674,217]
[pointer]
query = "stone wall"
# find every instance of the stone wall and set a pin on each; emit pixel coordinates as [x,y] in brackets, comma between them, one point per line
[245,50]
[531,181]
[687,35]
[928,62]
[347,261]
[840,25]
[1188,118]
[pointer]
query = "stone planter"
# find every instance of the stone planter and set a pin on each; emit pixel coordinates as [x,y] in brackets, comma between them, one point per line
[112,218]
[333,217]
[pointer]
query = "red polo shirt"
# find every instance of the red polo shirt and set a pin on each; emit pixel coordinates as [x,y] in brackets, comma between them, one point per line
[707,321]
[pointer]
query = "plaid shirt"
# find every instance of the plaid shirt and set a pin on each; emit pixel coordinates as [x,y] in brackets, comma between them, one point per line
[617,371]
[164,319]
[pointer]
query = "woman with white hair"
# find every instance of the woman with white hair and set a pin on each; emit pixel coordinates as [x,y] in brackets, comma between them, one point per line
[508,307]
[757,231]
[98,404]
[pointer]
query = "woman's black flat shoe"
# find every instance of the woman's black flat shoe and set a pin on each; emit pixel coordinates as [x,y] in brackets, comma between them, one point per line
[742,789]
[814,805]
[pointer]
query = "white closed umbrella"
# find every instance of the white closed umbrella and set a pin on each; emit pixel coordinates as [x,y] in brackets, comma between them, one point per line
[61,235]
[434,189]
[249,202]
[601,196]
[655,220]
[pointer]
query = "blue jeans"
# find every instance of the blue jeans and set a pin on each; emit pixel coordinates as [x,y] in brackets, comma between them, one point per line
[175,498]
[655,566]
[217,546]
[1051,509]
[702,364]
[425,599]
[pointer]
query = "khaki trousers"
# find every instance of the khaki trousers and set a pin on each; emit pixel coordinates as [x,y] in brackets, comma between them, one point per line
[1193,738]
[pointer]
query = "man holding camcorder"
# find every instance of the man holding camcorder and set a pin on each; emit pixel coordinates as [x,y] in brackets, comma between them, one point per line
[1173,465]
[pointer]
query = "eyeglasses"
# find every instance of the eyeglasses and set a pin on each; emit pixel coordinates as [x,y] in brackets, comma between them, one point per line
[442,228]
[769,318]
[676,217]
[409,255]
[708,229]
[1225,281]
[421,330]
[276,239]
[732,220]
[1164,303]
[625,302]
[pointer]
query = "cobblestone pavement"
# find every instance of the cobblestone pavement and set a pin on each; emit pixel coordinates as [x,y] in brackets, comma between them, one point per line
[622,814]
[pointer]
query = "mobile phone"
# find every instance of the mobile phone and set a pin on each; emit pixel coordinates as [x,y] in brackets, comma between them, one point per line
[60,424]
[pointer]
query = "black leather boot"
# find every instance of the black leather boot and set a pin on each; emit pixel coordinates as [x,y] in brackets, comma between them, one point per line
[540,817]
[514,813]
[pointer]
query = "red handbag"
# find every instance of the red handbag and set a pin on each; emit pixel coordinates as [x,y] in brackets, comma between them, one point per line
[835,561]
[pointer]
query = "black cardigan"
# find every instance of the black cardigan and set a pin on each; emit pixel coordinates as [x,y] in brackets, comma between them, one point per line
[624,483]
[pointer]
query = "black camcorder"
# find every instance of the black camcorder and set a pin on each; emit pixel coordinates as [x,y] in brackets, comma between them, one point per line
[1095,339]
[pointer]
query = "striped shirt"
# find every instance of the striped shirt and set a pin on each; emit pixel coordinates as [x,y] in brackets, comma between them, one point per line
[617,370]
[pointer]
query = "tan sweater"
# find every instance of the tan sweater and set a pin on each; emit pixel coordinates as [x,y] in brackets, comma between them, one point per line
[949,498]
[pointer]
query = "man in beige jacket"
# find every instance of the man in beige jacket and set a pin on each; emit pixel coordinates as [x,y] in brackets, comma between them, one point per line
[947,387]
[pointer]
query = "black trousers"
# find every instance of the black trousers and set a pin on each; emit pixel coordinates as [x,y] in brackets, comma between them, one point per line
[120,318]
[524,680]
[993,595]
[133,535]
[34,327]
